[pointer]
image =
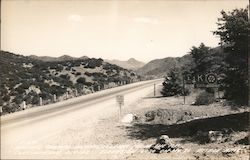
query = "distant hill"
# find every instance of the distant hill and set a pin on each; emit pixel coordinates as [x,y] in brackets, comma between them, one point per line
[51,59]
[28,78]
[160,67]
[131,63]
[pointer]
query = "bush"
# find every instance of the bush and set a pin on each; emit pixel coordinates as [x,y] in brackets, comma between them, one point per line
[204,98]
[81,80]
[78,73]
[65,76]
[57,90]
[10,108]
[88,74]
[186,92]
[59,68]
[92,63]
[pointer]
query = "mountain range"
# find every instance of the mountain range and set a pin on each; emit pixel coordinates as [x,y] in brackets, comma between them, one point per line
[154,68]
[160,67]
[61,58]
[131,63]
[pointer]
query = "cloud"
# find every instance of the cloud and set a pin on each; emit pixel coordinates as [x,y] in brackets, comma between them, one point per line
[146,20]
[74,18]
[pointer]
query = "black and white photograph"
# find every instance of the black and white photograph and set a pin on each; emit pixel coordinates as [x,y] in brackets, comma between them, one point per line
[124,80]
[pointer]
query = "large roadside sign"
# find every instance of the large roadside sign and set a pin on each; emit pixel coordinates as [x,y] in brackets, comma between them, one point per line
[207,80]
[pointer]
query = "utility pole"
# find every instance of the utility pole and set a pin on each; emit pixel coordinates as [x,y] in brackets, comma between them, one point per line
[154,89]
[183,81]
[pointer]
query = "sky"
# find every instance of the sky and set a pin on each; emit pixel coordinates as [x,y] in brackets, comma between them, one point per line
[110,29]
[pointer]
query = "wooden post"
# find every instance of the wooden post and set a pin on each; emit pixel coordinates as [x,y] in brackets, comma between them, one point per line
[76,93]
[24,105]
[67,95]
[54,98]
[218,93]
[40,101]
[1,110]
[120,111]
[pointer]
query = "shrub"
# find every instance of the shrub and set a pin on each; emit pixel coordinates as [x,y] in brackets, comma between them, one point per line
[88,84]
[88,74]
[81,80]
[65,76]
[18,99]
[78,73]
[57,90]
[204,98]
[68,68]
[59,68]
[185,93]
[92,63]
[10,108]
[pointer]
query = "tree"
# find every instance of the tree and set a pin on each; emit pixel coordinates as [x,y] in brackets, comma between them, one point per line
[171,85]
[201,58]
[233,29]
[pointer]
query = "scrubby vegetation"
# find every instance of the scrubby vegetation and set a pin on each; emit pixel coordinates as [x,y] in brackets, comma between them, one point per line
[26,79]
[204,98]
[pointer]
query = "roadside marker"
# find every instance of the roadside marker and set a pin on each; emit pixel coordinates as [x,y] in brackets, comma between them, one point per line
[120,101]
[1,110]
[40,101]
[54,98]
[24,105]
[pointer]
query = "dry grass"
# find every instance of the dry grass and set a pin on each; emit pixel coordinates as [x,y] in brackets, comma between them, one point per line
[181,122]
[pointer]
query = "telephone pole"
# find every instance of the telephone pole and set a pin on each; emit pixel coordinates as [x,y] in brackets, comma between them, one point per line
[154,90]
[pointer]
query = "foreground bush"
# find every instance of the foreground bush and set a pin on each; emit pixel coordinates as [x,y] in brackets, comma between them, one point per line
[204,98]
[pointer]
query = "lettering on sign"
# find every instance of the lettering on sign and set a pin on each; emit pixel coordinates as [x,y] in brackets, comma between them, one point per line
[208,80]
[120,99]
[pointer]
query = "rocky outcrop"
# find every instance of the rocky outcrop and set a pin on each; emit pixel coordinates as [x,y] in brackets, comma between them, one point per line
[164,144]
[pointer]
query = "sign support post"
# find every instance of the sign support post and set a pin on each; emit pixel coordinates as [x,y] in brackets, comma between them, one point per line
[120,101]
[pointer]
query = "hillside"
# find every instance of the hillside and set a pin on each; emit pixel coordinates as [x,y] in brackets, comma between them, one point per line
[131,63]
[160,67]
[24,78]
[52,59]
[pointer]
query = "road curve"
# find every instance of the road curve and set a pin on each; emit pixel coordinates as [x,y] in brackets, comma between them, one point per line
[71,103]
[28,134]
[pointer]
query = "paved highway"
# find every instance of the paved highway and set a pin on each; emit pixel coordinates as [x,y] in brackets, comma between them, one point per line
[29,134]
